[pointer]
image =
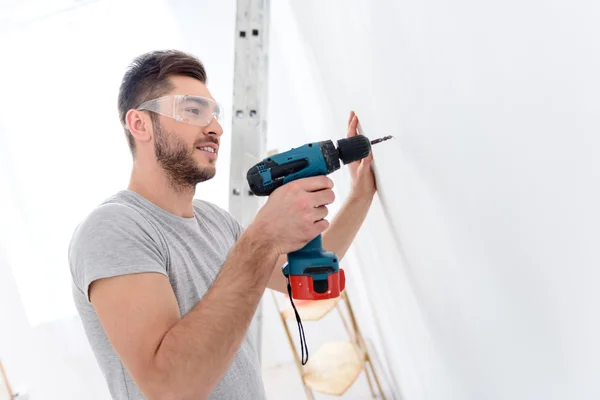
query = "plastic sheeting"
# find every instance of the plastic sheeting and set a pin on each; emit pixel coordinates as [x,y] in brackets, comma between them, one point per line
[476,263]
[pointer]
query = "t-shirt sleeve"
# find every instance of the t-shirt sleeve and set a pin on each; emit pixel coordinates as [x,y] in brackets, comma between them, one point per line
[114,240]
[236,226]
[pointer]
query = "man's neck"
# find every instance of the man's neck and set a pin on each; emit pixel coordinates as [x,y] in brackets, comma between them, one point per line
[155,186]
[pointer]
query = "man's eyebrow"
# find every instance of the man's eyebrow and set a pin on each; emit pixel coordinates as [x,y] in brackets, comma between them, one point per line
[198,100]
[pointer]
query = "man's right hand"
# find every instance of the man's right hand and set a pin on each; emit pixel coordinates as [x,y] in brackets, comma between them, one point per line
[294,214]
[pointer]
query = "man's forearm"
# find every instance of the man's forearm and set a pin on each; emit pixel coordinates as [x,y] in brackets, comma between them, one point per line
[337,238]
[196,352]
[346,224]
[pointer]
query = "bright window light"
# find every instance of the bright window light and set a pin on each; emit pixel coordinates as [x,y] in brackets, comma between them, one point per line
[62,149]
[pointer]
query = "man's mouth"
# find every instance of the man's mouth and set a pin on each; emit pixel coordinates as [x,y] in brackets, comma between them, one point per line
[206,148]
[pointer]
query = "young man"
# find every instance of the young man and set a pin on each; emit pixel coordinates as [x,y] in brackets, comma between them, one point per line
[167,285]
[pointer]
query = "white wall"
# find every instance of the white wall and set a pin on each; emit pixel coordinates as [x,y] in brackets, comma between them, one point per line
[479,255]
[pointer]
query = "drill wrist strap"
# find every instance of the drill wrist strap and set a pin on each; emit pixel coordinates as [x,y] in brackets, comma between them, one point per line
[303,345]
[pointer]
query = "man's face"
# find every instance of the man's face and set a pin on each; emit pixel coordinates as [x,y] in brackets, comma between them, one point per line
[181,148]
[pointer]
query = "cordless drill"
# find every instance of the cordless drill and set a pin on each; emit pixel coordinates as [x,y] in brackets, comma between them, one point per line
[313,272]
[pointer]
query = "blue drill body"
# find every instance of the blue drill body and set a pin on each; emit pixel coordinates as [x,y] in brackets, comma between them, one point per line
[309,156]
[312,260]
[313,272]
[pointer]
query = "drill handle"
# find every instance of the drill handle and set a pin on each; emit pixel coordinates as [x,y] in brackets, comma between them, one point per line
[314,272]
[299,259]
[315,244]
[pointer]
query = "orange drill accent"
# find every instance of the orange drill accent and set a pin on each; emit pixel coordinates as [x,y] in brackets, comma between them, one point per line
[303,286]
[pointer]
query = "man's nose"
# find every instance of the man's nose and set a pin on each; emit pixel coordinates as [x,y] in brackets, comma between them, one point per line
[214,128]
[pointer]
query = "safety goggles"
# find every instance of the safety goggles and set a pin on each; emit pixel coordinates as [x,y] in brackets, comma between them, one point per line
[195,110]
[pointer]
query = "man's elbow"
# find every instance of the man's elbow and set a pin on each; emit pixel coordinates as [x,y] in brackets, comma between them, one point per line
[173,393]
[157,384]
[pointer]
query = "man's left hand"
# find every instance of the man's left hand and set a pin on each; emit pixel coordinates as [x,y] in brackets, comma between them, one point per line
[363,179]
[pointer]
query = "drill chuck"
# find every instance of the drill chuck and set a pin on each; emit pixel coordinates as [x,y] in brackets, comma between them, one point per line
[330,156]
[353,148]
[349,150]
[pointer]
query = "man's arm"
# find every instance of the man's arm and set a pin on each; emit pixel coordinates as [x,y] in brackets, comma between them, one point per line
[337,238]
[170,357]
[118,259]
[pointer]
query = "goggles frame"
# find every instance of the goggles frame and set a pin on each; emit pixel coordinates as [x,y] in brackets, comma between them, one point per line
[174,106]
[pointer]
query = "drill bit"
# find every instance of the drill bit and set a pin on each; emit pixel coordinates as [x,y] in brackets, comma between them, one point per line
[381,139]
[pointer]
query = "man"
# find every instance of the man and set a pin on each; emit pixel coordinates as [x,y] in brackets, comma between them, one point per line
[167,285]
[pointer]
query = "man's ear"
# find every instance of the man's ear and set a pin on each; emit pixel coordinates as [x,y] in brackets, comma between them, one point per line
[139,125]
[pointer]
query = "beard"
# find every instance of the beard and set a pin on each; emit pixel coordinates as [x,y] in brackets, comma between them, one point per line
[178,162]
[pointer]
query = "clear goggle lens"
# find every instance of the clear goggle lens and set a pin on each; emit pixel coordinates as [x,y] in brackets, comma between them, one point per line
[195,110]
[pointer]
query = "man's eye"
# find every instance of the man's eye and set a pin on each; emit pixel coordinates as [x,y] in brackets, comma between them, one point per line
[195,111]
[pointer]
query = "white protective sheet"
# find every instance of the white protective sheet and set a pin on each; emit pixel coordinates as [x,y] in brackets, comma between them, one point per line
[476,265]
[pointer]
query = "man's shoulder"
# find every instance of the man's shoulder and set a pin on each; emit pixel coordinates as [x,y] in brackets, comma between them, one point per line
[114,238]
[114,209]
[113,217]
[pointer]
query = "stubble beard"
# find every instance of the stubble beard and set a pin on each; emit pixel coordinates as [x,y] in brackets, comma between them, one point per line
[178,162]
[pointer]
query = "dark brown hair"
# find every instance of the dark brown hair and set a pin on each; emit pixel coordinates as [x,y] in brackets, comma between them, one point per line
[148,77]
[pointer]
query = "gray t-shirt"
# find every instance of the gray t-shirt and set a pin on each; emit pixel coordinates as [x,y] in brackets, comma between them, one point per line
[128,234]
